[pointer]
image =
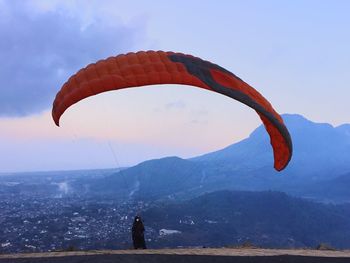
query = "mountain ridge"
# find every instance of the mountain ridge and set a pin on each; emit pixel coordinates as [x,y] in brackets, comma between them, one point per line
[266,219]
[321,153]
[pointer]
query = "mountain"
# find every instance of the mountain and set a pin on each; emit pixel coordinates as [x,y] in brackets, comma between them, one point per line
[267,219]
[149,180]
[345,128]
[321,153]
[319,150]
[336,189]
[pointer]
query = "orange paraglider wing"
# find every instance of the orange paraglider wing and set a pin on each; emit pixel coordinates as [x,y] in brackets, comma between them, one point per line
[159,67]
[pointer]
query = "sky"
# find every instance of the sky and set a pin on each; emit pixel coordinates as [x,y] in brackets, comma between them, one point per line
[295,53]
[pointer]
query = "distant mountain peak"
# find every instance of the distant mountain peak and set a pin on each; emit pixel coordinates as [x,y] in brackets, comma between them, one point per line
[293,116]
[291,119]
[318,148]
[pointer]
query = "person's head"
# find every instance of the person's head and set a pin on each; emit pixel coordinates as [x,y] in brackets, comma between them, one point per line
[137,219]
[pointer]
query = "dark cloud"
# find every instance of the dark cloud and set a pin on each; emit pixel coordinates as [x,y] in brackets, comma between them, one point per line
[39,51]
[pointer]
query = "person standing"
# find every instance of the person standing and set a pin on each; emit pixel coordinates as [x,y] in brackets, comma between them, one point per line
[138,236]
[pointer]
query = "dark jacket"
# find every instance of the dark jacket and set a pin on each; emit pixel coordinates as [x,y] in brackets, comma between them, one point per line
[138,230]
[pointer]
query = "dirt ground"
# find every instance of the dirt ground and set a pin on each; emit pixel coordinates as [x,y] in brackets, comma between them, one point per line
[218,255]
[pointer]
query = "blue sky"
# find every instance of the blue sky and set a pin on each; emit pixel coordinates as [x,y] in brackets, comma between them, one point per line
[296,53]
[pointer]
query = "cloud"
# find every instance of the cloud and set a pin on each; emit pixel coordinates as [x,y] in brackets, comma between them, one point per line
[40,49]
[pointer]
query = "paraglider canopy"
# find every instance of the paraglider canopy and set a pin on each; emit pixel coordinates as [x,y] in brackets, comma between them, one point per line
[159,67]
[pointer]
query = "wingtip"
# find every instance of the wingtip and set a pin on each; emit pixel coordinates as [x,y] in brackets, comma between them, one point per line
[281,166]
[55,119]
[57,122]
